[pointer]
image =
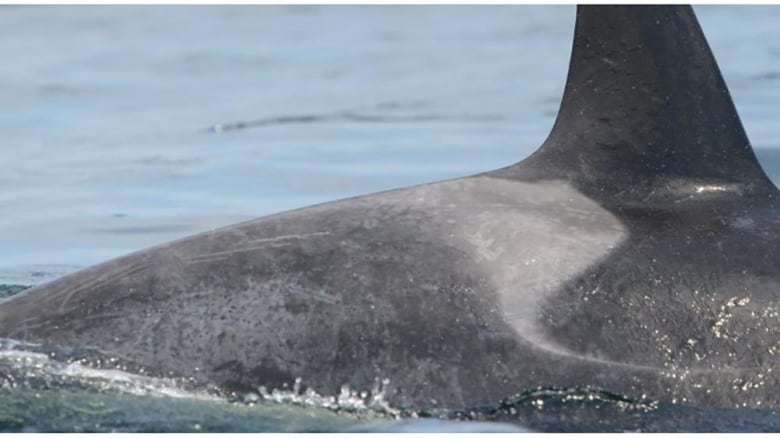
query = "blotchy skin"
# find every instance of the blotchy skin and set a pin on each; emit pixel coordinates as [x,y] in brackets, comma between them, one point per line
[637,251]
[436,288]
[460,293]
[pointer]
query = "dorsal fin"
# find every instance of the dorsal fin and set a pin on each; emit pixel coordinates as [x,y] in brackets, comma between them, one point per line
[645,102]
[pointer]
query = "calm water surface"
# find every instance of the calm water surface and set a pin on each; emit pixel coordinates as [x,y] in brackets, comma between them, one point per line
[125,127]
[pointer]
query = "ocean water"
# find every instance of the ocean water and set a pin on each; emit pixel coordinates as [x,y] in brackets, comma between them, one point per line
[128,126]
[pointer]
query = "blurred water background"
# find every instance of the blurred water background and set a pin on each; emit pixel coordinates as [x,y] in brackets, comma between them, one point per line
[128,126]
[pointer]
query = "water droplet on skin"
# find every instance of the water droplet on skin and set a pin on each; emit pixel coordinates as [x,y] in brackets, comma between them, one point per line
[297,385]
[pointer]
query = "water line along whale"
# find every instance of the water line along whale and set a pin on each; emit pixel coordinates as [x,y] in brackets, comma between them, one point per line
[638,250]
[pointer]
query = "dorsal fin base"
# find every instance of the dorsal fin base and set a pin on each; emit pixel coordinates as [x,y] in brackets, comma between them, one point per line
[645,104]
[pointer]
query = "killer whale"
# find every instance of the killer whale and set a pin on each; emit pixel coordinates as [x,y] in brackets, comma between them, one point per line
[636,251]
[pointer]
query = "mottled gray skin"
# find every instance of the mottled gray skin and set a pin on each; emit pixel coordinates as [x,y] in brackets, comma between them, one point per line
[638,251]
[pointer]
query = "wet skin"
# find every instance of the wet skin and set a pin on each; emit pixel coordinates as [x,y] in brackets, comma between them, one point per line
[637,251]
